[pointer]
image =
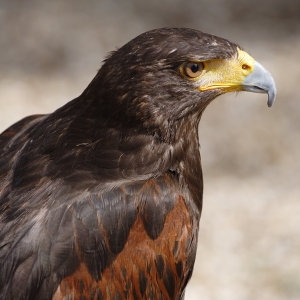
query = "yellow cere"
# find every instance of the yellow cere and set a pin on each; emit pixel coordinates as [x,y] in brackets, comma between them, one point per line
[226,74]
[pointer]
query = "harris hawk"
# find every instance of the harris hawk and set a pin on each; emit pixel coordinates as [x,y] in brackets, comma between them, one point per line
[101,199]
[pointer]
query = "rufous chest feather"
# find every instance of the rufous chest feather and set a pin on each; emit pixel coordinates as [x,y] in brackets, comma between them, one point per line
[145,268]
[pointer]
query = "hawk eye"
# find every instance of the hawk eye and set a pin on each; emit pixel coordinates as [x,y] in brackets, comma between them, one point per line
[193,69]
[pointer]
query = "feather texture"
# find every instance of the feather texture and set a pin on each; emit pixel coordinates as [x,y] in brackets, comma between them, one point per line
[102,198]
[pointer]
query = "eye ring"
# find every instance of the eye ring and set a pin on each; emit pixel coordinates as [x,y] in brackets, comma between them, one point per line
[193,69]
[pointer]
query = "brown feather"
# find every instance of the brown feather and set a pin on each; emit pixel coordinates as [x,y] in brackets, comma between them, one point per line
[140,256]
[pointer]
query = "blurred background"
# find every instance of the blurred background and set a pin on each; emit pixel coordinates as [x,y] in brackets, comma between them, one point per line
[249,243]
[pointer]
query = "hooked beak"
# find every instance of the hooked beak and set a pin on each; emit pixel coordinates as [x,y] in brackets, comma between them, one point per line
[240,73]
[260,81]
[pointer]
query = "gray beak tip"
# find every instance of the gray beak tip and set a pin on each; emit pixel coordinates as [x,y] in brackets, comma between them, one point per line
[261,81]
[271,96]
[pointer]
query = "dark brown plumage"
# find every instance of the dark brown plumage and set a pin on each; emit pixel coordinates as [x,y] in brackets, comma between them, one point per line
[102,198]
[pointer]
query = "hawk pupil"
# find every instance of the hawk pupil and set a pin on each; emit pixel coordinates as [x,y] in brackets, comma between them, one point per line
[194,68]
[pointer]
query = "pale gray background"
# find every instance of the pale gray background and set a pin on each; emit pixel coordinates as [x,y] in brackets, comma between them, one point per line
[249,243]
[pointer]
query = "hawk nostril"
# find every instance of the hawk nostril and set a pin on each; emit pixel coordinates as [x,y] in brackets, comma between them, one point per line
[246,67]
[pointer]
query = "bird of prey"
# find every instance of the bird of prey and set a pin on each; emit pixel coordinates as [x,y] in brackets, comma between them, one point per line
[101,199]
